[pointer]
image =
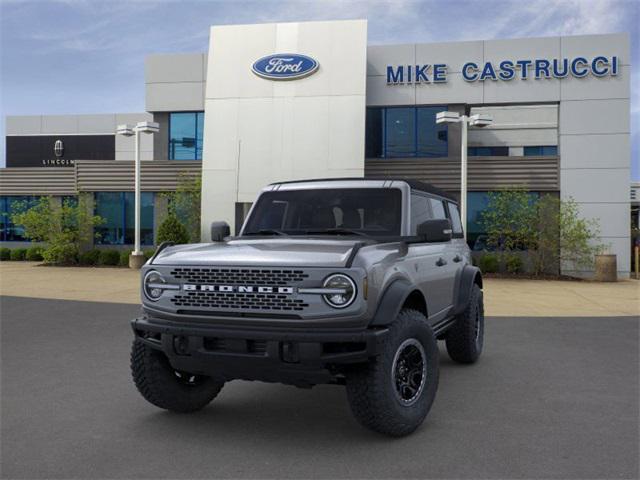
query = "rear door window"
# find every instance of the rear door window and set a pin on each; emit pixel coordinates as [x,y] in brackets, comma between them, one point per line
[420,211]
[437,207]
[456,224]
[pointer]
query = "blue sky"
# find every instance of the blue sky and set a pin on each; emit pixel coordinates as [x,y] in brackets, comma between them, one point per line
[84,56]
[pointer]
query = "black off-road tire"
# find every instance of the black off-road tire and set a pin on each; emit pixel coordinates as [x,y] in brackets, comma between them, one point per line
[161,385]
[372,391]
[465,338]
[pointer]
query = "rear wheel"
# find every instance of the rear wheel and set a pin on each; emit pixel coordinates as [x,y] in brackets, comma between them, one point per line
[168,388]
[393,393]
[465,338]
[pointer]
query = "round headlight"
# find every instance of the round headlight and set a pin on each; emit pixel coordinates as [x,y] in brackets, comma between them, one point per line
[152,290]
[344,290]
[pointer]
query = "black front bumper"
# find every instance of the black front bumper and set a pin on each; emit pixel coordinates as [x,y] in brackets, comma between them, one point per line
[273,355]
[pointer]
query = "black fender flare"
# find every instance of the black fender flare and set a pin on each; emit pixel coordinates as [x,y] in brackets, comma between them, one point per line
[467,277]
[391,302]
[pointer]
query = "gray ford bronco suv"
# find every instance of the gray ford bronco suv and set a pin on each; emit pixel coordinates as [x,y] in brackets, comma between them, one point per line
[342,281]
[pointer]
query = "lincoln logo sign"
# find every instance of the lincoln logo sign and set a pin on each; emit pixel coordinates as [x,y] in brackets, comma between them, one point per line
[237,289]
[285,66]
[505,70]
[58,148]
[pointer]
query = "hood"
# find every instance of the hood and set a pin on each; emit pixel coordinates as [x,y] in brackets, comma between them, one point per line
[261,252]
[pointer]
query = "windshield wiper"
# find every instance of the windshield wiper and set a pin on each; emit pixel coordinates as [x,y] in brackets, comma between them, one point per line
[337,231]
[266,231]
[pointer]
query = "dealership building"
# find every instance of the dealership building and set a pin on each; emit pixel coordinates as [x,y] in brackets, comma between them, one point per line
[272,102]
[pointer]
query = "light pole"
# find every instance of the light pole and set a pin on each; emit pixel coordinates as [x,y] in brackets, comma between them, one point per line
[136,258]
[477,120]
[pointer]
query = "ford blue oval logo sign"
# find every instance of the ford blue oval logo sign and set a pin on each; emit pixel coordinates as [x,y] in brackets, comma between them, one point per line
[285,66]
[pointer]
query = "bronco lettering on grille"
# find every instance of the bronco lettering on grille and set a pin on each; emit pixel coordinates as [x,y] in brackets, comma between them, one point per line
[237,289]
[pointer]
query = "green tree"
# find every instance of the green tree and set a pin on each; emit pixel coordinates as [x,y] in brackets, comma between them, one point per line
[551,229]
[545,248]
[563,237]
[579,237]
[63,227]
[184,203]
[171,230]
[509,219]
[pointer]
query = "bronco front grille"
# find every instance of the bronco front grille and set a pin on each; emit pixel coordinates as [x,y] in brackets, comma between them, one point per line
[235,301]
[237,276]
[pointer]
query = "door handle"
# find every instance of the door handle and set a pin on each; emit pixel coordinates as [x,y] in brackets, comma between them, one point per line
[457,258]
[441,262]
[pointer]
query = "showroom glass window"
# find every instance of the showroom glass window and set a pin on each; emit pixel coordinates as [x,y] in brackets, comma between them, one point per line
[185,135]
[488,151]
[401,132]
[117,209]
[9,205]
[541,151]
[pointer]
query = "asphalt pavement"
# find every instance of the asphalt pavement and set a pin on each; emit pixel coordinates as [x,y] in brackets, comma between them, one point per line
[550,398]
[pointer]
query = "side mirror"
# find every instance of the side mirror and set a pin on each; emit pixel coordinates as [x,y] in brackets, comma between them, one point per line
[219,230]
[435,230]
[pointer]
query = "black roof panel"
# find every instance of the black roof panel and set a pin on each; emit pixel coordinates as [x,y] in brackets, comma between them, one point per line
[414,184]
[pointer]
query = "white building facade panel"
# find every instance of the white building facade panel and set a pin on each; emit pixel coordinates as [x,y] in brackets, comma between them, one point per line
[284,130]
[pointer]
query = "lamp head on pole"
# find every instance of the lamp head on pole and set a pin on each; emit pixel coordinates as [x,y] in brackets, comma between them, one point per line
[480,120]
[125,130]
[447,117]
[147,127]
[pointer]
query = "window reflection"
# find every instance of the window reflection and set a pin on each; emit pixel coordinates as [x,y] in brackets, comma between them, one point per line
[185,135]
[541,151]
[396,132]
[117,209]
[9,205]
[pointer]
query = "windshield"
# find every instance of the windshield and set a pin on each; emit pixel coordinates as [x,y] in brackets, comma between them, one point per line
[338,211]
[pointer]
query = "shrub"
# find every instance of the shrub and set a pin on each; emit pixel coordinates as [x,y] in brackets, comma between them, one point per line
[489,263]
[64,227]
[34,254]
[90,257]
[171,230]
[149,253]
[61,254]
[5,254]
[124,258]
[18,254]
[109,257]
[513,263]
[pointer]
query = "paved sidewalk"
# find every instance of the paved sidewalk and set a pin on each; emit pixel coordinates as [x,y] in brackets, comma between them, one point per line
[504,298]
